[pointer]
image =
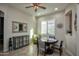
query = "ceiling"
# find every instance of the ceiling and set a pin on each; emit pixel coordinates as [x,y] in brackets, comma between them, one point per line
[49,8]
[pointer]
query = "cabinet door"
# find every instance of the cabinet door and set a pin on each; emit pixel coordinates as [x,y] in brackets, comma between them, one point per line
[14,43]
[21,41]
[25,40]
[17,42]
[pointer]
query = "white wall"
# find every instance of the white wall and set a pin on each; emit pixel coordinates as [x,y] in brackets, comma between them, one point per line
[59,18]
[71,40]
[77,30]
[13,14]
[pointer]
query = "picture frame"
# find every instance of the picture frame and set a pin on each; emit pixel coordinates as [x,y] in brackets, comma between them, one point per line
[19,27]
[15,27]
[25,27]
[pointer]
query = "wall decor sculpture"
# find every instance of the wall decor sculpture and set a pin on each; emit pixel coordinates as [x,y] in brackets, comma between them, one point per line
[60,25]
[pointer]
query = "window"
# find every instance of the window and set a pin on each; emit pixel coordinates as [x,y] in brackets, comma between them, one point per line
[51,27]
[43,27]
[48,27]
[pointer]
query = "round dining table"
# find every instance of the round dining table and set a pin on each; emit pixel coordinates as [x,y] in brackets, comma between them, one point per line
[50,43]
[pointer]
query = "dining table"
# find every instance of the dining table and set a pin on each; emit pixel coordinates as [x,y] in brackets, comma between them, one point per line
[50,42]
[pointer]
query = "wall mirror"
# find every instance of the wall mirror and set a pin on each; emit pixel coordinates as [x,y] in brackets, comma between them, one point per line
[69,22]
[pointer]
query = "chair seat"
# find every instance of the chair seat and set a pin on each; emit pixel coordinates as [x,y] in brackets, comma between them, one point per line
[43,49]
[56,46]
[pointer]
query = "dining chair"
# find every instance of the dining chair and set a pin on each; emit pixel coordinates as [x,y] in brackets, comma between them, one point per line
[59,47]
[52,37]
[41,46]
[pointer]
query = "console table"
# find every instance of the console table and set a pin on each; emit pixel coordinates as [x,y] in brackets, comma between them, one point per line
[20,41]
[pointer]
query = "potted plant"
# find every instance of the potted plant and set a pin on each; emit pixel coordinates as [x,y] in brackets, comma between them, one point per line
[34,39]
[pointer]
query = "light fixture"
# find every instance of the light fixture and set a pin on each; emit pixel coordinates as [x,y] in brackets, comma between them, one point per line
[36,6]
[55,9]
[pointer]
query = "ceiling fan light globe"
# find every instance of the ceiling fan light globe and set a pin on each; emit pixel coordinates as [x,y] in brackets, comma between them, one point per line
[37,7]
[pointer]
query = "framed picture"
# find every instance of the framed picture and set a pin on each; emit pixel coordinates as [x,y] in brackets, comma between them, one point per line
[25,27]
[15,27]
[19,27]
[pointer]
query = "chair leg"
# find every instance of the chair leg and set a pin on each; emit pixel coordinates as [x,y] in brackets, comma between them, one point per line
[37,52]
[44,54]
[52,49]
[61,51]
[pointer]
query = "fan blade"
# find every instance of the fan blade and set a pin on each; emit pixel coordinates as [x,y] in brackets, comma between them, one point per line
[28,6]
[42,7]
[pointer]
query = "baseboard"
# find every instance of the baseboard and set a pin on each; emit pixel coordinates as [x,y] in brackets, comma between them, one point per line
[5,50]
[68,53]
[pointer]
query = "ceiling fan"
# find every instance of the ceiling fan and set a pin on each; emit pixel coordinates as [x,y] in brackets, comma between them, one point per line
[35,6]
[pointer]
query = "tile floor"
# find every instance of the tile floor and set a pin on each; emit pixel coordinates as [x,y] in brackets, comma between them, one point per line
[30,50]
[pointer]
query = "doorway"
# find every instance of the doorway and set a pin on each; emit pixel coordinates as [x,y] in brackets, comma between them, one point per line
[1,30]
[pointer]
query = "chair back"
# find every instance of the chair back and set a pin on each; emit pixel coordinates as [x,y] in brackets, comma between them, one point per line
[40,44]
[44,37]
[37,42]
[52,37]
[61,44]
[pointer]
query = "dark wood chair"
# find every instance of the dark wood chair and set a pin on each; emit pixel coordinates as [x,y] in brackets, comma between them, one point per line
[41,47]
[58,47]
